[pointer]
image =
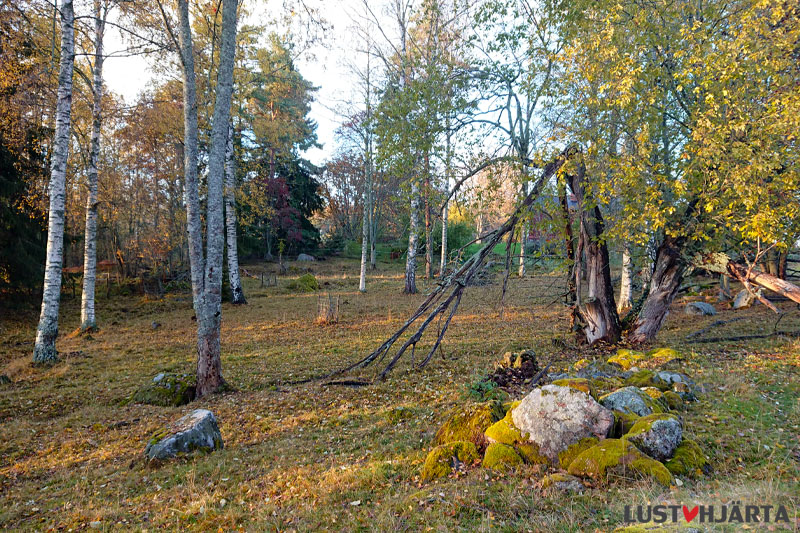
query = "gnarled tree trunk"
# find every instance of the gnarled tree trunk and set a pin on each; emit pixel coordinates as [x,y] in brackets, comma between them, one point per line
[599,311]
[664,284]
[44,350]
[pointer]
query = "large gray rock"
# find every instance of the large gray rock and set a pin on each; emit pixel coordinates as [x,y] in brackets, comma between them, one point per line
[556,417]
[306,257]
[700,308]
[630,400]
[196,431]
[657,435]
[745,299]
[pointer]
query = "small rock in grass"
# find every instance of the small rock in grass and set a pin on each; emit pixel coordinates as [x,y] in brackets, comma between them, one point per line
[196,431]
[699,309]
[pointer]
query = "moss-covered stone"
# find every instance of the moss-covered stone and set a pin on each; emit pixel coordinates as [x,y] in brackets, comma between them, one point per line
[501,457]
[626,358]
[567,456]
[623,422]
[673,400]
[562,481]
[663,354]
[688,460]
[305,283]
[505,432]
[642,378]
[657,435]
[601,386]
[581,364]
[469,424]
[167,390]
[631,400]
[581,384]
[617,457]
[442,459]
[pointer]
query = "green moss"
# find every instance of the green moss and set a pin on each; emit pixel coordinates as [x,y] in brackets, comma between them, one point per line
[469,424]
[398,414]
[581,363]
[172,390]
[645,423]
[623,422]
[673,400]
[581,384]
[642,378]
[505,432]
[688,460]
[626,358]
[305,283]
[664,354]
[441,459]
[557,477]
[565,457]
[617,456]
[501,457]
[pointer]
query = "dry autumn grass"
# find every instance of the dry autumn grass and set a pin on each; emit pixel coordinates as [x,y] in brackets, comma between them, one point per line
[314,457]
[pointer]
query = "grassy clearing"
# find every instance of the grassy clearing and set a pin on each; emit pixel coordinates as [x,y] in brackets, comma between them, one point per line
[310,457]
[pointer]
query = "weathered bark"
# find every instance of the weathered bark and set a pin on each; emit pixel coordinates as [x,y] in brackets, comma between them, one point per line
[599,311]
[234,279]
[626,284]
[664,284]
[523,234]
[413,240]
[44,350]
[209,365]
[88,319]
[569,244]
[190,156]
[762,279]
[428,222]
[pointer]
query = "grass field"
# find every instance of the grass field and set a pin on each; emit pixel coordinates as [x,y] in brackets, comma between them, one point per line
[315,457]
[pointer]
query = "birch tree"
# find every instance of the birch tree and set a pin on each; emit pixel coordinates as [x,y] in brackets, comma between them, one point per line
[88,319]
[45,348]
[230,222]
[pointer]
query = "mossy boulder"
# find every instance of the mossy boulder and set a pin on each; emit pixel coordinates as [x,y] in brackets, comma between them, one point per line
[563,482]
[623,422]
[443,459]
[673,400]
[305,283]
[626,359]
[167,390]
[469,424]
[505,432]
[631,400]
[664,354]
[197,431]
[567,456]
[642,379]
[603,385]
[657,435]
[688,460]
[501,457]
[617,457]
[581,384]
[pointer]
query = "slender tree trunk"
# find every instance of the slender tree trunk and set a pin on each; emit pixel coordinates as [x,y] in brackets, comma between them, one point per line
[724,288]
[373,230]
[569,244]
[664,284]
[88,319]
[428,221]
[190,155]
[362,280]
[45,348]
[523,233]
[230,223]
[209,364]
[443,258]
[599,310]
[626,285]
[413,239]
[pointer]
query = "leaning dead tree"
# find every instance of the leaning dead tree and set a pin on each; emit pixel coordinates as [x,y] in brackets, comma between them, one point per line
[447,296]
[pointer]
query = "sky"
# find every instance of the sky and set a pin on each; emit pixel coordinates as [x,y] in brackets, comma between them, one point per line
[325,67]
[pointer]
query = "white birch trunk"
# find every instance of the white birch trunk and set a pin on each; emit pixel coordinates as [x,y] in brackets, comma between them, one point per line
[625,301]
[362,280]
[373,230]
[45,348]
[209,365]
[523,237]
[230,223]
[413,241]
[88,319]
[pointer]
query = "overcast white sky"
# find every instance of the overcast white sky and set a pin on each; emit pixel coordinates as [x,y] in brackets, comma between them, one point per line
[325,67]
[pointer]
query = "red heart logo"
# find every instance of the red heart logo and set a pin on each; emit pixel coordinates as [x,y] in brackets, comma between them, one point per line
[689,515]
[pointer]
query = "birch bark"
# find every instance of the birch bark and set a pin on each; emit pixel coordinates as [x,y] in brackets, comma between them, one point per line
[88,319]
[230,223]
[44,350]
